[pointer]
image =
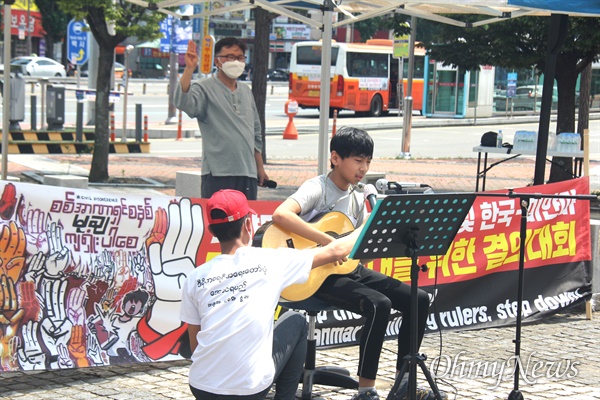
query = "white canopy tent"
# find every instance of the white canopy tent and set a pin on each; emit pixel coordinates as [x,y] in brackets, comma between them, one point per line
[356,10]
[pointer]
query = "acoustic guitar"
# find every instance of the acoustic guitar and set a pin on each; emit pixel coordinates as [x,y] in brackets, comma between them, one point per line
[333,223]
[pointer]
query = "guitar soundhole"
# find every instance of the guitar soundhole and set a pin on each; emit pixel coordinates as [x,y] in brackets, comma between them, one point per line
[290,243]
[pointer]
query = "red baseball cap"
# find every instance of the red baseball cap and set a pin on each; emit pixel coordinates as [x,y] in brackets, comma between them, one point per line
[232,202]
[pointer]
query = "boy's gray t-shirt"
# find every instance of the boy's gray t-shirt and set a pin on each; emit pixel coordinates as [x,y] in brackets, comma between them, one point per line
[229,125]
[319,195]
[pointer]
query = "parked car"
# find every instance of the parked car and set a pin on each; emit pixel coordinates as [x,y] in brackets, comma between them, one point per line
[278,74]
[119,70]
[247,74]
[38,66]
[83,70]
[526,99]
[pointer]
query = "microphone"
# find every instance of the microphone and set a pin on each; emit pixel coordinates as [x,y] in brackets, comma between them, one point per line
[269,184]
[412,185]
[370,195]
[381,185]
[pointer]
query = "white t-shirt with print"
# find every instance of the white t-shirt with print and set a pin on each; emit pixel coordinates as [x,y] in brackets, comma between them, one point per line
[232,298]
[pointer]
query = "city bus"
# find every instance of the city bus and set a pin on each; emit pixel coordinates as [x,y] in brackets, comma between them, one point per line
[364,76]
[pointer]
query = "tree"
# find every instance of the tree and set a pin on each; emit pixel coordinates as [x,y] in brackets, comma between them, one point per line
[522,43]
[262,22]
[54,22]
[110,22]
[368,27]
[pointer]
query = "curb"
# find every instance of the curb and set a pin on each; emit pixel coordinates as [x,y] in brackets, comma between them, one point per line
[73,147]
[190,129]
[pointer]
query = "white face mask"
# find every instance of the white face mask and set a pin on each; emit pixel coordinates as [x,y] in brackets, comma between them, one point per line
[233,69]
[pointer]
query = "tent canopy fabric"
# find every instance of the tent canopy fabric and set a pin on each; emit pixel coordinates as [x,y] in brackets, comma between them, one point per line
[497,9]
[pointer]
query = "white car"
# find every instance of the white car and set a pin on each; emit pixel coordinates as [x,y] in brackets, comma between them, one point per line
[38,66]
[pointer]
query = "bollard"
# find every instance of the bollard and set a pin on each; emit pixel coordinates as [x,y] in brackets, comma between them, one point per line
[291,109]
[79,122]
[138,122]
[113,136]
[179,123]
[33,100]
[334,122]
[145,128]
[144,88]
[272,89]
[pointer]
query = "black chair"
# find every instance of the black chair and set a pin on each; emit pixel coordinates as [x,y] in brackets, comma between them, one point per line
[322,375]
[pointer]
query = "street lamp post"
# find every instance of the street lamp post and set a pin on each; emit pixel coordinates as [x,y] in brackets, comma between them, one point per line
[128,50]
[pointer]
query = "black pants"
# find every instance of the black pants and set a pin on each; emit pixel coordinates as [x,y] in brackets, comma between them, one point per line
[372,295]
[212,184]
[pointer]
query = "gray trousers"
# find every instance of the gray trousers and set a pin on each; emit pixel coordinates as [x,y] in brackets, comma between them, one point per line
[289,353]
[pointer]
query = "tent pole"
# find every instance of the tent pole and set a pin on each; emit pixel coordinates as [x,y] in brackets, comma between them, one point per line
[408,100]
[325,87]
[6,87]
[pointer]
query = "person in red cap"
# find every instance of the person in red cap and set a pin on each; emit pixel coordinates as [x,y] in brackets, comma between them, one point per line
[228,304]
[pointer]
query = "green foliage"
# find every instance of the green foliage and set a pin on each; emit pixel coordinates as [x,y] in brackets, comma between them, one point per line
[515,43]
[110,22]
[127,19]
[396,22]
[54,20]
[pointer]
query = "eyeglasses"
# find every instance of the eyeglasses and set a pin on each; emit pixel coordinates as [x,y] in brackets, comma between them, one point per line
[231,57]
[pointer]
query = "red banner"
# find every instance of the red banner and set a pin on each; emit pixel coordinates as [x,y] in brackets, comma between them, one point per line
[18,21]
[488,240]
[94,278]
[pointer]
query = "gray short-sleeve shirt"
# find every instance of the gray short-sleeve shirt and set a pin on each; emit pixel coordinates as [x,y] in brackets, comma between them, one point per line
[319,195]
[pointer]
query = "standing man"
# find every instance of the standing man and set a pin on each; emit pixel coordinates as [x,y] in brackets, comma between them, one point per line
[228,121]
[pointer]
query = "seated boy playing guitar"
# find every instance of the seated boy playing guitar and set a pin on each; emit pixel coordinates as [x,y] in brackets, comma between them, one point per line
[361,290]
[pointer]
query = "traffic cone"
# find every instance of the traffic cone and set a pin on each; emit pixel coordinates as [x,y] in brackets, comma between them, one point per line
[291,109]
[290,131]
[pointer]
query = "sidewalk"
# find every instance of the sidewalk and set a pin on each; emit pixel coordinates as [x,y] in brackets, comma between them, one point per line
[443,175]
[560,359]
[560,356]
[564,347]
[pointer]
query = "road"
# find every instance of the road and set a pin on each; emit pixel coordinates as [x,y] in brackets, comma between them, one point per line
[151,94]
[434,142]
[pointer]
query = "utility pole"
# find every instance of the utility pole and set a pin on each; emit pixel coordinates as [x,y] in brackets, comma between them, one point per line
[28,27]
[128,51]
[173,72]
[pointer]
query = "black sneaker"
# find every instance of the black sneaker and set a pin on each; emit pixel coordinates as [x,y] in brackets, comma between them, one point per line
[368,395]
[422,394]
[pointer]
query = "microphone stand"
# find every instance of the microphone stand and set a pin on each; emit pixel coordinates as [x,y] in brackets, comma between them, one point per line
[524,201]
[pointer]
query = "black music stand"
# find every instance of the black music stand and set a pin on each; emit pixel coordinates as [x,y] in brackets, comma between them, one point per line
[392,230]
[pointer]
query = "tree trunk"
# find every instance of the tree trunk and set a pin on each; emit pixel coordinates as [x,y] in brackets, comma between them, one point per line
[106,46]
[49,47]
[259,68]
[585,86]
[566,78]
[99,167]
